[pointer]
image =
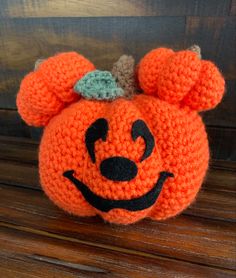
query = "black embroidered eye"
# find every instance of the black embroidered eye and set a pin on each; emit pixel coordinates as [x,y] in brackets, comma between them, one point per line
[97,130]
[139,128]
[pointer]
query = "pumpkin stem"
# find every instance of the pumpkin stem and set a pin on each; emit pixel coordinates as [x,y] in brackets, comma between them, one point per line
[195,48]
[37,63]
[124,72]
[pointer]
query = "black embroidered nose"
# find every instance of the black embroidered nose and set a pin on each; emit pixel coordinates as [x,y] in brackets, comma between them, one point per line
[118,169]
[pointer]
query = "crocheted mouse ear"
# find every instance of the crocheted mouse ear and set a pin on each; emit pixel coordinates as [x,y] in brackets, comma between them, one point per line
[181,78]
[46,91]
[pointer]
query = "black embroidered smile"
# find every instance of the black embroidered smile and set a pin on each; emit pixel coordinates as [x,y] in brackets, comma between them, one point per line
[105,205]
[118,168]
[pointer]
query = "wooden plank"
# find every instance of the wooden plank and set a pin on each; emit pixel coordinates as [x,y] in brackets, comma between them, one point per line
[214,204]
[192,239]
[221,179]
[11,124]
[217,198]
[26,142]
[104,45]
[44,256]
[18,154]
[19,174]
[21,266]
[90,8]
[19,150]
[216,37]
[225,113]
[233,7]
[223,165]
[102,40]
[222,143]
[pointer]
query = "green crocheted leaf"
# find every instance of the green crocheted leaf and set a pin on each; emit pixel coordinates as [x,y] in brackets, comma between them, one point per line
[99,85]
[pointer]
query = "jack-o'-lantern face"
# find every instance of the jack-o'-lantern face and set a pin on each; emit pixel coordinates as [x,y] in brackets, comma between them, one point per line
[118,169]
[113,159]
[124,159]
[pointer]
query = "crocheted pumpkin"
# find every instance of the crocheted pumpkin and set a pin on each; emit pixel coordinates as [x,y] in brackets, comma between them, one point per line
[122,158]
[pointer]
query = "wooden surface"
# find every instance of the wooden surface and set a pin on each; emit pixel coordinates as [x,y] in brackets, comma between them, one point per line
[105,29]
[87,8]
[37,239]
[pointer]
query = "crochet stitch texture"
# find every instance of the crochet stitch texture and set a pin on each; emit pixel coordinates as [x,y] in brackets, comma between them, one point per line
[162,123]
[98,85]
[124,71]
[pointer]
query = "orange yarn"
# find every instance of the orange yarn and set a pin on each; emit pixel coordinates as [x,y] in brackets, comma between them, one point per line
[178,84]
[48,90]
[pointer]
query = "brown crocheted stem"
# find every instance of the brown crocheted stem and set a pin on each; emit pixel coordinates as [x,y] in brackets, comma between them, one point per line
[195,48]
[38,62]
[124,72]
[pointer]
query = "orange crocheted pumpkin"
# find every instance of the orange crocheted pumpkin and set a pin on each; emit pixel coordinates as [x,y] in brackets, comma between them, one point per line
[122,158]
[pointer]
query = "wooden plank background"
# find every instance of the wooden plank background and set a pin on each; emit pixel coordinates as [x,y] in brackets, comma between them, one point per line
[103,30]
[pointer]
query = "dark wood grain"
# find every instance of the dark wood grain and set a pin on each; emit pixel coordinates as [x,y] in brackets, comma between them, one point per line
[102,40]
[45,256]
[192,239]
[224,115]
[12,140]
[11,124]
[233,7]
[20,150]
[214,204]
[222,165]
[89,8]
[222,143]
[19,174]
